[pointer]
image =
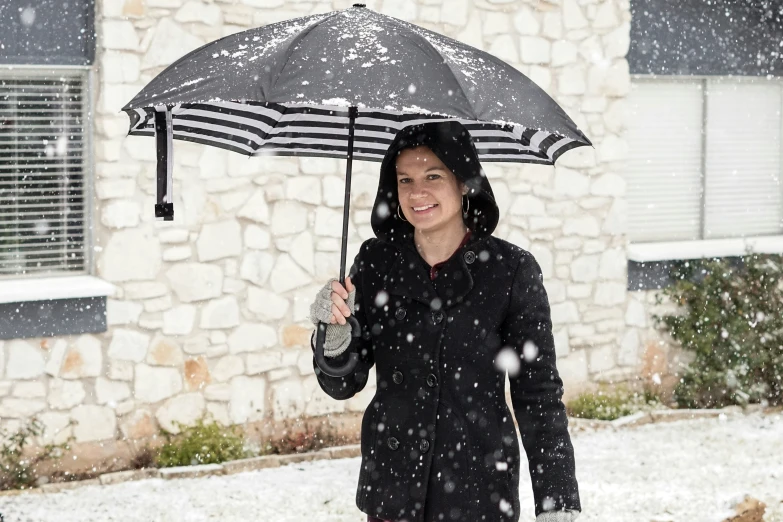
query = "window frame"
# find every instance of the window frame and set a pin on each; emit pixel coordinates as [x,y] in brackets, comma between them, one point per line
[646,252]
[88,165]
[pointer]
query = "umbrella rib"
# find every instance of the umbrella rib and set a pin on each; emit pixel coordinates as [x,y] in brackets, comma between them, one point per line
[293,45]
[432,47]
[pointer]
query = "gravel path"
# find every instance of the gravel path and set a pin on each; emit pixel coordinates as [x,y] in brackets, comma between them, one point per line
[685,471]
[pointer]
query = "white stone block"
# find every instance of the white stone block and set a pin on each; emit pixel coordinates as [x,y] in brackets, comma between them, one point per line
[573,18]
[617,81]
[552,26]
[572,81]
[120,214]
[402,9]
[635,314]
[220,313]
[195,282]
[20,408]
[56,357]
[496,23]
[179,320]
[256,267]
[185,409]
[29,390]
[534,49]
[525,21]
[286,275]
[329,223]
[289,217]
[256,209]
[158,304]
[301,250]
[122,312]
[564,53]
[256,238]
[563,313]
[165,352]
[110,392]
[197,11]
[601,359]
[25,360]
[571,183]
[612,148]
[504,48]
[454,12]
[128,345]
[248,398]
[526,205]
[56,427]
[169,43]
[584,269]
[84,358]
[218,392]
[606,15]
[288,400]
[177,253]
[119,35]
[617,42]
[94,423]
[573,369]
[263,362]
[219,240]
[250,337]
[628,355]
[144,290]
[614,264]
[610,293]
[115,188]
[267,305]
[153,384]
[585,226]
[130,255]
[64,395]
[306,189]
[121,370]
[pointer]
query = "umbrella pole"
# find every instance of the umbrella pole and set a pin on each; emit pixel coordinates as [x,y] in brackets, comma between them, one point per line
[352,113]
[356,330]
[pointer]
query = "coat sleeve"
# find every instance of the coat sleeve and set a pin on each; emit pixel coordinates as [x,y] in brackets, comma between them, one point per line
[343,388]
[537,390]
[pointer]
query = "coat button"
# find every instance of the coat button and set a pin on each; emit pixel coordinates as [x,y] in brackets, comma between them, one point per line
[437,317]
[397,377]
[393,443]
[424,445]
[400,314]
[470,256]
[432,381]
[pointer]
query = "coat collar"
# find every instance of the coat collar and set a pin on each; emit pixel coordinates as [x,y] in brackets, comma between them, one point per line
[409,275]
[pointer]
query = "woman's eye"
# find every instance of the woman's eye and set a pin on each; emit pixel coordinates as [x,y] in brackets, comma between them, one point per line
[434,176]
[404,180]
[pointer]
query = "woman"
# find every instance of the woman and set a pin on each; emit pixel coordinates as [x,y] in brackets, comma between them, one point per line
[439,298]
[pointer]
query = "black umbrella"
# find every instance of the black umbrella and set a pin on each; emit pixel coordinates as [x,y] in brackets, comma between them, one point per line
[341,85]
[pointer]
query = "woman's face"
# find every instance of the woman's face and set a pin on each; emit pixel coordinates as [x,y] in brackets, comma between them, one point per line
[429,193]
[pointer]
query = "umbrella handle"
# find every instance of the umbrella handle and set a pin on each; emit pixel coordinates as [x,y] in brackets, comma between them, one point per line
[353,359]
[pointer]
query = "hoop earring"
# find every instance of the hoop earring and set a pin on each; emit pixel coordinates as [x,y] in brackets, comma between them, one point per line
[465,210]
[399,215]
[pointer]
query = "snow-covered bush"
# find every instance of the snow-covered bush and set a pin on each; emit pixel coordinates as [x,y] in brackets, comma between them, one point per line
[19,465]
[610,403]
[202,443]
[732,322]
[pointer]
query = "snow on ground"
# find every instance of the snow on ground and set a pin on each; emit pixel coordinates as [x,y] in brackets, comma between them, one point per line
[680,471]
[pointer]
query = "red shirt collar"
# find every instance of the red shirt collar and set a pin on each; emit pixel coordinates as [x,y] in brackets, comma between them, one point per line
[437,266]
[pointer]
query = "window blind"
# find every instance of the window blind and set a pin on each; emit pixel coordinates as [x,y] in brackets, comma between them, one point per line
[743,196]
[664,167]
[43,153]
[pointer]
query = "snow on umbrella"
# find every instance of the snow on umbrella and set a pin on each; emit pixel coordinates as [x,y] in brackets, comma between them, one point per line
[342,84]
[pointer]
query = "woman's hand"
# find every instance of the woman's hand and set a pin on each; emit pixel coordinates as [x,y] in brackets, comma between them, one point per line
[340,309]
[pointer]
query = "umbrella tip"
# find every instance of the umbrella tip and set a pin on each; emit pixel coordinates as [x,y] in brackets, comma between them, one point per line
[360,5]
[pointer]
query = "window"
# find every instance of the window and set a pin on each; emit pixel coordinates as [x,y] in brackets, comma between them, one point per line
[705,159]
[44,153]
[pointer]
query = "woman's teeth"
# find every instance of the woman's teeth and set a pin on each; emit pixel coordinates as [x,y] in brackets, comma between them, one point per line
[426,207]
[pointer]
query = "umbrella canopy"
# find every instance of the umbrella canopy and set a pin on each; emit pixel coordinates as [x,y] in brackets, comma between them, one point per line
[286,88]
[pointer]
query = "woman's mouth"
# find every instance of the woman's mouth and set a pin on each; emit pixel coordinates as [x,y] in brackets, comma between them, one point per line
[423,209]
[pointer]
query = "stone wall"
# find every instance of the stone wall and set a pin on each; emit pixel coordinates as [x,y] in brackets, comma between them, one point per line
[210,315]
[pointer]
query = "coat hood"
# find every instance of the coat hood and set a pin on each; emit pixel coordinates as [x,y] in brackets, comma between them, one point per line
[451,142]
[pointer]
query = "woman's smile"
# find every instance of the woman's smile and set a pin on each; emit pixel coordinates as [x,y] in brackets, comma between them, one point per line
[424,209]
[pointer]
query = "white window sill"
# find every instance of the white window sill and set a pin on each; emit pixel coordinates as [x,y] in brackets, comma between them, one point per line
[706,248]
[47,288]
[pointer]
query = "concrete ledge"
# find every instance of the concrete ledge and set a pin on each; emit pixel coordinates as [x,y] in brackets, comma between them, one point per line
[182,472]
[118,477]
[354,450]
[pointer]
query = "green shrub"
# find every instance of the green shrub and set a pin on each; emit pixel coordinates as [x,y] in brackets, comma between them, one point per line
[732,323]
[610,404]
[202,444]
[18,466]
[296,440]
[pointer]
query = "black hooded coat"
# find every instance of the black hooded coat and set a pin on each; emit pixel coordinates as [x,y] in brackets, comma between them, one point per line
[438,441]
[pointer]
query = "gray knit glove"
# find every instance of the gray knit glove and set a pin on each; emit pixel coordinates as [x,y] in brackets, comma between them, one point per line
[557,516]
[338,336]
